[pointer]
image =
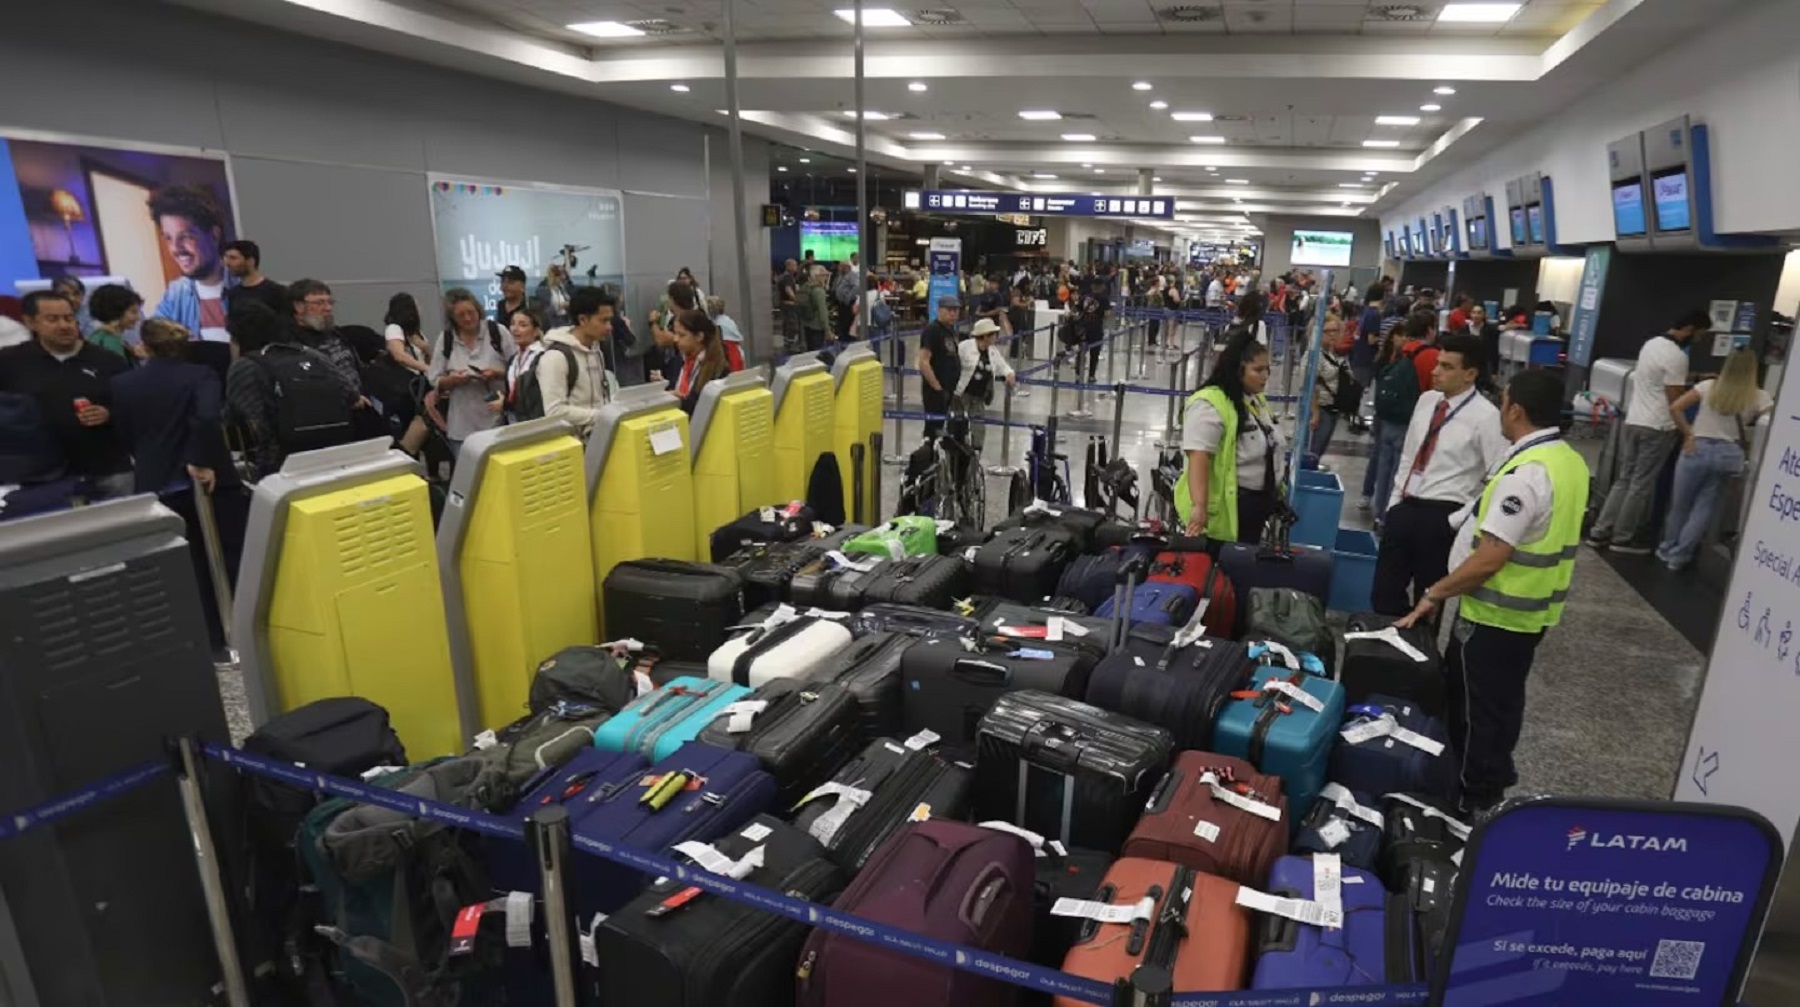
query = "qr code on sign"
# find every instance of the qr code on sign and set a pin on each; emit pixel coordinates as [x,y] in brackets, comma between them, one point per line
[1677,960]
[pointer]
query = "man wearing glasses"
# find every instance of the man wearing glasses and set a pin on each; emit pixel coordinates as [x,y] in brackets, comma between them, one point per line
[315,327]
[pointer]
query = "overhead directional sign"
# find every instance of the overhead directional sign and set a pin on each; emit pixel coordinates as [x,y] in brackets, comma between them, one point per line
[1039,204]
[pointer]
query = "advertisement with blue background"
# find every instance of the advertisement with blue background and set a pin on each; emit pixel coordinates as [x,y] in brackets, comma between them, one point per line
[1602,903]
[946,269]
[483,226]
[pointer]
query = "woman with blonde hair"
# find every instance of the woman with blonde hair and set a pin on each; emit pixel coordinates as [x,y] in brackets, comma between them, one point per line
[1712,451]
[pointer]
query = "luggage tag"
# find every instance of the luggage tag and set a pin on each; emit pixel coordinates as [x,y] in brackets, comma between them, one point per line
[1383,725]
[1392,638]
[1036,841]
[463,932]
[1295,693]
[1334,833]
[519,908]
[923,740]
[1341,796]
[712,861]
[1298,910]
[742,714]
[590,951]
[486,740]
[1239,801]
[846,563]
[826,826]
[1105,912]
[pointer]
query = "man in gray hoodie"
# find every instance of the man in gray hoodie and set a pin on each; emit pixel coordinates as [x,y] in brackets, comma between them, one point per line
[577,397]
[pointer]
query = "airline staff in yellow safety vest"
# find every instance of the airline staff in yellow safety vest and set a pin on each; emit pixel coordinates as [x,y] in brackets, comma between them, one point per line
[1232,482]
[1512,563]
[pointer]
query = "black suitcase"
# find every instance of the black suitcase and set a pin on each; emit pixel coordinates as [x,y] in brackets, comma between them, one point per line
[1353,833]
[1429,885]
[1084,523]
[900,784]
[949,686]
[1071,874]
[683,609]
[870,669]
[787,523]
[912,620]
[1377,667]
[1028,626]
[1025,564]
[675,949]
[1181,689]
[1418,827]
[807,730]
[927,581]
[768,568]
[1066,770]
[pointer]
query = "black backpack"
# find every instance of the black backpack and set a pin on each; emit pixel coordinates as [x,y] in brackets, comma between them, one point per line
[496,339]
[310,411]
[1346,397]
[528,398]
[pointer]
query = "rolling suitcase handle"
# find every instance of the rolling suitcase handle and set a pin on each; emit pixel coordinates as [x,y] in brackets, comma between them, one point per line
[857,501]
[1130,573]
[874,452]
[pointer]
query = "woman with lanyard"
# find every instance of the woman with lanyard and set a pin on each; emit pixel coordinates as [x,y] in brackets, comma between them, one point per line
[527,330]
[1231,485]
[702,356]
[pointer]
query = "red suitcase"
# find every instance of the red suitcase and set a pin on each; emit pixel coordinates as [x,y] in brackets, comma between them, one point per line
[1197,570]
[1202,941]
[1187,821]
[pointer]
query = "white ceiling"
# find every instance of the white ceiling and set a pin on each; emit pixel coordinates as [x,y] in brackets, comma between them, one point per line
[1294,85]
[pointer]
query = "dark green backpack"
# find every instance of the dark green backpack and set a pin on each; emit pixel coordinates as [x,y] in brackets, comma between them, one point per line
[1397,389]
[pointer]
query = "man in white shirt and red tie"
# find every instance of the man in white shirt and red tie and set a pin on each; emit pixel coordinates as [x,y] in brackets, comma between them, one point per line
[1452,443]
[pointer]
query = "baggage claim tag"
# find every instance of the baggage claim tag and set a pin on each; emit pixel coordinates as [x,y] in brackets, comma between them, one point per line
[1334,833]
[519,906]
[1341,796]
[1417,740]
[1328,884]
[1295,693]
[590,952]
[1105,912]
[1298,910]
[1239,801]
[1207,830]
[1368,730]
[1392,638]
[826,826]
[742,715]
[1457,829]
[923,740]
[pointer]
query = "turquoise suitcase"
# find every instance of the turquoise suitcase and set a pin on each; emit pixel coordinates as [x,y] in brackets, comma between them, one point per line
[657,723]
[1282,735]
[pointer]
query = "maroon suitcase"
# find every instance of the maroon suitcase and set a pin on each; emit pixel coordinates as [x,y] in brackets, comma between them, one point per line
[946,880]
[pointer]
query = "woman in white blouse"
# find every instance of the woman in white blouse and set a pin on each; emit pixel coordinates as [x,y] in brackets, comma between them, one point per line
[981,365]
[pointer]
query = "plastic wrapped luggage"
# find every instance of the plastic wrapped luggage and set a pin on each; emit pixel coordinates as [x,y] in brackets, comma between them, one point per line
[1084,523]
[870,669]
[1418,827]
[887,784]
[1155,605]
[950,684]
[1066,770]
[1031,625]
[802,732]
[1389,746]
[1392,662]
[675,949]
[1196,934]
[1373,947]
[1024,564]
[684,609]
[1294,618]
[950,881]
[1211,587]
[659,722]
[907,535]
[1345,823]
[912,620]
[786,644]
[789,522]
[767,569]
[1215,814]
[1178,686]
[1285,723]
[1303,568]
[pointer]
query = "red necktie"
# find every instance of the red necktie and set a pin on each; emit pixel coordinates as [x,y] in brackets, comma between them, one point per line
[1438,417]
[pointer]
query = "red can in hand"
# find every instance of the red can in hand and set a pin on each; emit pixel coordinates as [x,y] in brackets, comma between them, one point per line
[81,404]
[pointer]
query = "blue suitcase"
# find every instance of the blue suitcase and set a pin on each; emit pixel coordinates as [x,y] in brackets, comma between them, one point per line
[1375,946]
[1283,736]
[1356,835]
[591,772]
[659,722]
[1093,578]
[1303,568]
[1155,604]
[1382,764]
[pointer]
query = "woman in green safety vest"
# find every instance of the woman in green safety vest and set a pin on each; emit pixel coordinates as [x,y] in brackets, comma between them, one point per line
[1233,448]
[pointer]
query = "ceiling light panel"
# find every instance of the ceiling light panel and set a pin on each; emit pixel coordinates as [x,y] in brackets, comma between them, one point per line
[875,17]
[918,85]
[926,136]
[680,88]
[1381,143]
[1206,139]
[1191,116]
[1040,115]
[1478,13]
[870,114]
[1159,105]
[606,29]
[1396,120]
[1443,89]
[1433,107]
[1079,137]
[1142,85]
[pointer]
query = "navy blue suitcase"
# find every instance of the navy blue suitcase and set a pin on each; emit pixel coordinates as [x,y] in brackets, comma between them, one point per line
[1156,604]
[1303,568]
[1093,578]
[1374,947]
[1345,823]
[1383,764]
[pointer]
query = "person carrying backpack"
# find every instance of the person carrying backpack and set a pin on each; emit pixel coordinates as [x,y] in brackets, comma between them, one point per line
[469,369]
[281,397]
[1336,392]
[1397,390]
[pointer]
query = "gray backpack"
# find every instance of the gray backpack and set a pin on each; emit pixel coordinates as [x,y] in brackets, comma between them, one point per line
[1294,618]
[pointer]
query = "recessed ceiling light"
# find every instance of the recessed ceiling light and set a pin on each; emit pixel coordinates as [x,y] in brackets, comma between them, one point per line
[1040,115]
[1191,116]
[1443,89]
[1234,199]
[1206,139]
[1159,105]
[1079,137]
[1087,165]
[682,88]
[1039,174]
[1370,174]
[868,114]
[1381,143]
[1142,85]
[1099,171]
[875,17]
[965,167]
[926,136]
[1237,181]
[806,160]
[852,171]
[918,85]
[606,29]
[1479,13]
[781,167]
[1096,193]
[1431,108]
[1156,180]
[1396,120]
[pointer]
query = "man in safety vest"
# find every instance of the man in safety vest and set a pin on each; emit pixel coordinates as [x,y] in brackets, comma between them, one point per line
[1512,563]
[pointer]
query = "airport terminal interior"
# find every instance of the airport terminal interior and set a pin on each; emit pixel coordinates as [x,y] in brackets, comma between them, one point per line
[459,187]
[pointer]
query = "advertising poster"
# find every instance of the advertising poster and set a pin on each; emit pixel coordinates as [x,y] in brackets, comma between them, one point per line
[483,226]
[946,267]
[1321,248]
[154,220]
[1586,318]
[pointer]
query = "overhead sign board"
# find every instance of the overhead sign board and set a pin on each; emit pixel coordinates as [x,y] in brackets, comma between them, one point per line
[1040,204]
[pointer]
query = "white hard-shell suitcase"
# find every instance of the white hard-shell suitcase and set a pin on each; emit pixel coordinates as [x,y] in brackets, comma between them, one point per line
[786,645]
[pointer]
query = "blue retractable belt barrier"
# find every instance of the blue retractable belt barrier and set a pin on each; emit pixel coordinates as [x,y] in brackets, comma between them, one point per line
[59,808]
[969,959]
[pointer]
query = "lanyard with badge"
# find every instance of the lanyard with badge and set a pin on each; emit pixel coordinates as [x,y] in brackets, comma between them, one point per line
[1268,433]
[1428,449]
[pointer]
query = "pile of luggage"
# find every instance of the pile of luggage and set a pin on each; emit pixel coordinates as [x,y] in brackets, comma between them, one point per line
[1077,743]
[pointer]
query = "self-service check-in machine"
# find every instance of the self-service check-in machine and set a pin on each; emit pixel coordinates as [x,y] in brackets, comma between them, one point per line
[640,481]
[734,453]
[805,419]
[103,658]
[511,550]
[339,593]
[856,375]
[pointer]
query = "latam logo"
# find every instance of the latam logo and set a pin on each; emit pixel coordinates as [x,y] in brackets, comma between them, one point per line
[1579,836]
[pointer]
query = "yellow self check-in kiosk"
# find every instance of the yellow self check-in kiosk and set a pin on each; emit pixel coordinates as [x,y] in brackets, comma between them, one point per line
[512,550]
[805,421]
[640,481]
[338,593]
[734,453]
[856,377]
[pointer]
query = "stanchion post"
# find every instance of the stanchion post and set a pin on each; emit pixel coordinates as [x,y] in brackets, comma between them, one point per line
[215,558]
[899,407]
[1006,467]
[1288,358]
[1056,363]
[1118,416]
[547,830]
[1141,328]
[875,472]
[1175,389]
[212,880]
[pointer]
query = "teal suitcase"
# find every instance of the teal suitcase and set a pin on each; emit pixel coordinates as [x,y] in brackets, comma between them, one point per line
[657,723]
[912,535]
[1281,734]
